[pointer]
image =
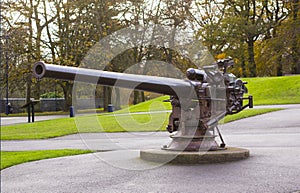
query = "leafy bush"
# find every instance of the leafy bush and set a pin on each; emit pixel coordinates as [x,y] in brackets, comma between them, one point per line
[52,95]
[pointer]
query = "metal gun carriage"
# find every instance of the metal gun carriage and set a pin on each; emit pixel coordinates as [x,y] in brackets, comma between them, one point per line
[198,102]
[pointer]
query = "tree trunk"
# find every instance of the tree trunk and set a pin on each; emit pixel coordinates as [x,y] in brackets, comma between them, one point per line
[37,92]
[67,89]
[99,95]
[52,46]
[118,99]
[136,97]
[295,49]
[28,89]
[295,59]
[106,97]
[279,67]
[143,96]
[251,61]
[29,57]
[243,66]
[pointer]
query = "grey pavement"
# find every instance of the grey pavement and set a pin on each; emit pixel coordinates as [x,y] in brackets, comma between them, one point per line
[273,140]
[286,106]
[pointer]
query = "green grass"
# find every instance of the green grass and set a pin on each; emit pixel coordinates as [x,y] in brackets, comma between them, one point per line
[84,124]
[17,157]
[100,123]
[39,130]
[156,104]
[274,90]
[248,113]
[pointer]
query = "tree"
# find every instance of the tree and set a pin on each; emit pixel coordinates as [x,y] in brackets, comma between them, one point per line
[247,17]
[208,17]
[80,24]
[280,46]
[295,28]
[23,23]
[237,28]
[58,31]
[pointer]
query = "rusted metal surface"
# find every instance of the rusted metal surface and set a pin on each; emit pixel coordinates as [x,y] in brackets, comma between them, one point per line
[198,103]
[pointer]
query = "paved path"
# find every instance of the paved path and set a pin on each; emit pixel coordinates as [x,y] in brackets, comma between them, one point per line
[273,140]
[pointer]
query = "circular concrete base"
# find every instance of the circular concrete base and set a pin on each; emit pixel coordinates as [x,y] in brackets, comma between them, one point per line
[206,157]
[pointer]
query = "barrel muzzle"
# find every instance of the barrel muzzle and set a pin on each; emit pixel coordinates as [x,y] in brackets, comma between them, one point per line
[39,70]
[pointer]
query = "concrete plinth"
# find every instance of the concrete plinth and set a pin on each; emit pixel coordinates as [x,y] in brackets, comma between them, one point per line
[201,157]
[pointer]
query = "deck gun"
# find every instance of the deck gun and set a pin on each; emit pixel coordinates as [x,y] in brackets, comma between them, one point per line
[198,102]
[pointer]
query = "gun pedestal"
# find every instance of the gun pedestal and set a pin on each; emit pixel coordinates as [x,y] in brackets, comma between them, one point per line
[195,136]
[192,136]
[192,143]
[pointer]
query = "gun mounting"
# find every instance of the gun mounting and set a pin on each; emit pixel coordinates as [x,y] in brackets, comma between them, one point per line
[198,102]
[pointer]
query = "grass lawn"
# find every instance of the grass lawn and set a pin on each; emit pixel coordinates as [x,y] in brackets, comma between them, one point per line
[16,157]
[155,104]
[274,90]
[248,113]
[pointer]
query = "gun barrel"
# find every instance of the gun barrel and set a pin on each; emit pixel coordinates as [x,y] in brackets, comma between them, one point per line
[162,85]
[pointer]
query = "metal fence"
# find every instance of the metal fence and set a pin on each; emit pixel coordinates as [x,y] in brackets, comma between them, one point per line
[50,104]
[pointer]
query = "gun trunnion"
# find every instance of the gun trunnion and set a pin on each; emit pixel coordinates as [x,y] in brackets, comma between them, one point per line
[198,103]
